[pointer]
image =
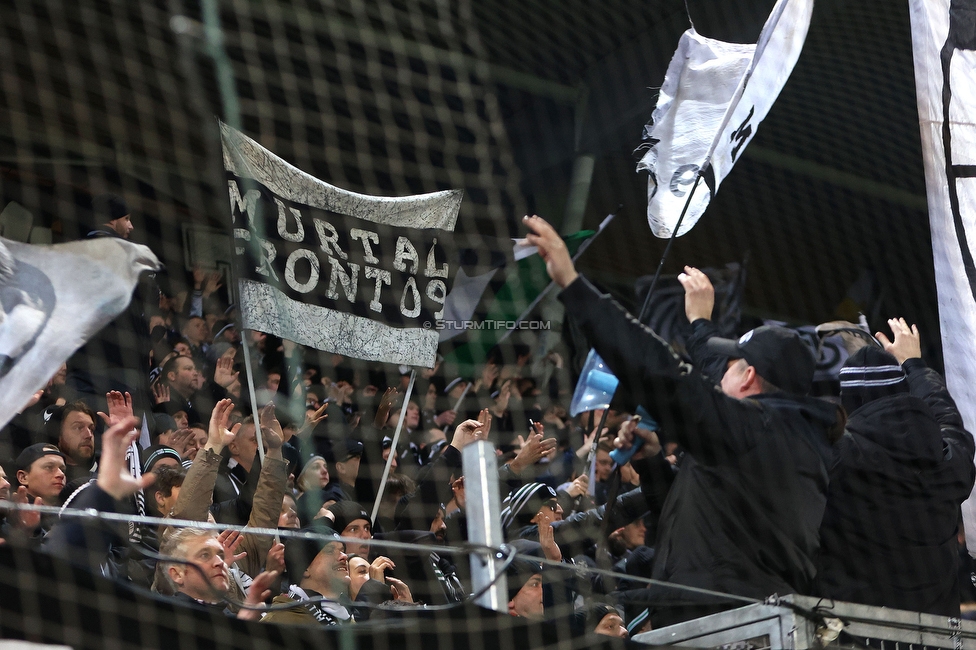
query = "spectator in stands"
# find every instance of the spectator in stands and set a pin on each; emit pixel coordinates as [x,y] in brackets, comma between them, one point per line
[112,215]
[524,577]
[72,427]
[200,574]
[41,472]
[605,620]
[901,472]
[756,449]
[343,457]
[320,569]
[182,378]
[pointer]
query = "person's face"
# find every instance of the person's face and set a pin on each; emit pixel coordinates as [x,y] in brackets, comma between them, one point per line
[320,471]
[245,444]
[633,535]
[123,227]
[78,437]
[611,625]
[182,349]
[44,478]
[4,486]
[358,529]
[439,526]
[527,603]
[603,465]
[206,554]
[197,442]
[386,455]
[274,380]
[459,387]
[182,420]
[348,469]
[331,566]
[358,575]
[166,504]
[736,376]
[195,331]
[288,517]
[413,416]
[184,376]
[550,510]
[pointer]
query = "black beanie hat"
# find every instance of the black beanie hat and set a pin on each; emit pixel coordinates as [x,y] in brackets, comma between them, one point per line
[870,374]
[109,207]
[347,512]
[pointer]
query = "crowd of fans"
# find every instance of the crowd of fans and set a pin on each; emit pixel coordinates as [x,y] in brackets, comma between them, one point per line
[748,487]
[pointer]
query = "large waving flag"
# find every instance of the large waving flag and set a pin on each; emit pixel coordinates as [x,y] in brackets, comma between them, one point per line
[362,276]
[52,300]
[944,44]
[713,98]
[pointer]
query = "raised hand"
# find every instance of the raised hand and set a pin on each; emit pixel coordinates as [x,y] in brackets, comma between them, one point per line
[275,561]
[399,589]
[160,393]
[533,449]
[218,435]
[113,471]
[119,407]
[471,430]
[552,249]
[547,537]
[182,440]
[378,566]
[579,486]
[224,375]
[26,520]
[629,431]
[312,418]
[389,400]
[907,343]
[230,540]
[699,294]
[274,437]
[212,283]
[261,589]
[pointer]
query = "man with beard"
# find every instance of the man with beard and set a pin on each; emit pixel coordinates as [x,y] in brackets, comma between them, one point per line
[73,429]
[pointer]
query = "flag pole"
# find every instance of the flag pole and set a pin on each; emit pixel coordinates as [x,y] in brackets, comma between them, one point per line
[393,448]
[667,249]
[254,402]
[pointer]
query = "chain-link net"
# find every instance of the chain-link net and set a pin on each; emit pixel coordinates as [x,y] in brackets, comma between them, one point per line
[526,106]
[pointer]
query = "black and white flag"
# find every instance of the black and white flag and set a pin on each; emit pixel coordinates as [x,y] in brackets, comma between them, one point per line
[944,45]
[357,275]
[52,300]
[713,98]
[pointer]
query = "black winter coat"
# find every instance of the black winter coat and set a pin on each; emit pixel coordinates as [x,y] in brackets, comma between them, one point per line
[901,470]
[744,512]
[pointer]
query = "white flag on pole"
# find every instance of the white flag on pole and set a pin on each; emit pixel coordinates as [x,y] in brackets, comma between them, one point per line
[944,45]
[52,300]
[713,98]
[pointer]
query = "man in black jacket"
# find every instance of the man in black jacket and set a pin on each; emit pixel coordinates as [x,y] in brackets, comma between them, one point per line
[902,469]
[743,514]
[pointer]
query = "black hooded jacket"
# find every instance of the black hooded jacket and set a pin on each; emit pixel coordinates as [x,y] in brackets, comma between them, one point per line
[901,470]
[743,514]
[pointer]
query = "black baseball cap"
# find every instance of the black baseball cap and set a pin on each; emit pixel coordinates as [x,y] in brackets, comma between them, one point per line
[778,354]
[32,453]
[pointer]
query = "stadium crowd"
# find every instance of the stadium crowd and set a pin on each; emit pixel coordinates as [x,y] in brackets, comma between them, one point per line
[749,486]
